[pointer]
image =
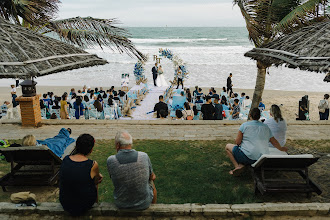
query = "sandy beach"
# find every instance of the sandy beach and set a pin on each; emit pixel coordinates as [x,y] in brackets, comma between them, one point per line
[289,99]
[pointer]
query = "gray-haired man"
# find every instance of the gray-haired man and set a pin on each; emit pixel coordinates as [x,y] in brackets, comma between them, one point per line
[132,175]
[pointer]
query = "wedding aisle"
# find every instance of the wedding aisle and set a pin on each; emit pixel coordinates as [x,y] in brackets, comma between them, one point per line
[147,105]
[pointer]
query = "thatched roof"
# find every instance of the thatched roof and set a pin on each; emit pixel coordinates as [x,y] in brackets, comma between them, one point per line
[306,49]
[25,53]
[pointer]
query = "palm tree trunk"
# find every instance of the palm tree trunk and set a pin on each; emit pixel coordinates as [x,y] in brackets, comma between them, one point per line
[260,84]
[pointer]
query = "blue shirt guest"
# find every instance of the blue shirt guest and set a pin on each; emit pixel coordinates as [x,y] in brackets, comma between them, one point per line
[79,177]
[132,175]
[251,143]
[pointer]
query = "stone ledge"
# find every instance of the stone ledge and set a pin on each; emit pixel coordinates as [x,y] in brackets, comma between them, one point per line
[183,211]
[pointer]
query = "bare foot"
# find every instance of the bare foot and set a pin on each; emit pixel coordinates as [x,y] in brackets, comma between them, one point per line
[237,171]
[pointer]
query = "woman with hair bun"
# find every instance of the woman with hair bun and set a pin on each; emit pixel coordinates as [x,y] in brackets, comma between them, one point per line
[79,178]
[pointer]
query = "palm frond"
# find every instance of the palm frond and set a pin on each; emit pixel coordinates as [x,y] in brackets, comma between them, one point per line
[32,12]
[88,32]
[301,15]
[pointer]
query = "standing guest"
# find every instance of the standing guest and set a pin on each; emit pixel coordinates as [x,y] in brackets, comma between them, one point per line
[161,105]
[218,110]
[132,175]
[13,90]
[251,143]
[236,109]
[91,95]
[79,178]
[154,71]
[261,105]
[64,107]
[229,84]
[188,94]
[277,125]
[179,77]
[324,108]
[51,97]
[79,107]
[110,100]
[100,98]
[208,109]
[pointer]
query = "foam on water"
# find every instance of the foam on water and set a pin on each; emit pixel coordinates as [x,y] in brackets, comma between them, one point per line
[210,55]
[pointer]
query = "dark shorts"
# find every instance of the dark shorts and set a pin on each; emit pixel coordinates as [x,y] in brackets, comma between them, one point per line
[240,157]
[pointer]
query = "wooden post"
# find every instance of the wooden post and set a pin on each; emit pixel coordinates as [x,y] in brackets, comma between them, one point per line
[30,111]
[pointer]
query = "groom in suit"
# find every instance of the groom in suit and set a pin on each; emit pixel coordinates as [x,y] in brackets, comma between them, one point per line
[155,73]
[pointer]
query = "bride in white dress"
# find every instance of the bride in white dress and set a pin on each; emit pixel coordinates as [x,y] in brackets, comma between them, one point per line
[160,81]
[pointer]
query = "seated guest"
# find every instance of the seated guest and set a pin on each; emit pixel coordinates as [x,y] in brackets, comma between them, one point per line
[242,98]
[208,109]
[247,102]
[72,91]
[47,101]
[79,178]
[160,105]
[261,105]
[163,114]
[73,98]
[115,96]
[187,112]
[96,91]
[79,107]
[218,110]
[236,109]
[251,143]
[277,125]
[179,115]
[215,95]
[200,92]
[224,92]
[195,91]
[132,175]
[198,100]
[224,106]
[101,90]
[56,105]
[232,98]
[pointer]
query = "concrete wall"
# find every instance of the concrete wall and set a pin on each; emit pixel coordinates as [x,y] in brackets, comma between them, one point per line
[54,211]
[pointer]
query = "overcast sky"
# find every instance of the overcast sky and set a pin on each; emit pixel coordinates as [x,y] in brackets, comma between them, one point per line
[158,13]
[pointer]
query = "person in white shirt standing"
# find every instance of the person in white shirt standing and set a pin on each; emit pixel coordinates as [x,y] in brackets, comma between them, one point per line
[324,108]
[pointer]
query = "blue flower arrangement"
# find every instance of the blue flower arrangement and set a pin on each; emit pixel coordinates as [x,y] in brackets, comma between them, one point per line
[139,70]
[166,53]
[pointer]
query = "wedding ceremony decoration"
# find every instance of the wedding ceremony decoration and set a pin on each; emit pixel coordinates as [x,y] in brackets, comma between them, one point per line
[166,53]
[139,73]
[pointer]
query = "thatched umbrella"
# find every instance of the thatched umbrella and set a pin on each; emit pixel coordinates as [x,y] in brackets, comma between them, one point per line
[306,49]
[25,54]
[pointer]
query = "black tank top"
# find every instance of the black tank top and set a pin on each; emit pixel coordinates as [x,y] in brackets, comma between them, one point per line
[77,189]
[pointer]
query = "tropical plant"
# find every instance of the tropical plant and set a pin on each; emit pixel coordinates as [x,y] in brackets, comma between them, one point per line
[266,20]
[39,15]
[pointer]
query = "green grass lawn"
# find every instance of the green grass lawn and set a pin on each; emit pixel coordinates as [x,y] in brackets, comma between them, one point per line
[188,171]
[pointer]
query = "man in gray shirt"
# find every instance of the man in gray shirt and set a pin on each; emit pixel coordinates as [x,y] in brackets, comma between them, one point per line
[132,175]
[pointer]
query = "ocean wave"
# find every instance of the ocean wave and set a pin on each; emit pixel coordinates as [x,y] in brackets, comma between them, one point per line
[174,40]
